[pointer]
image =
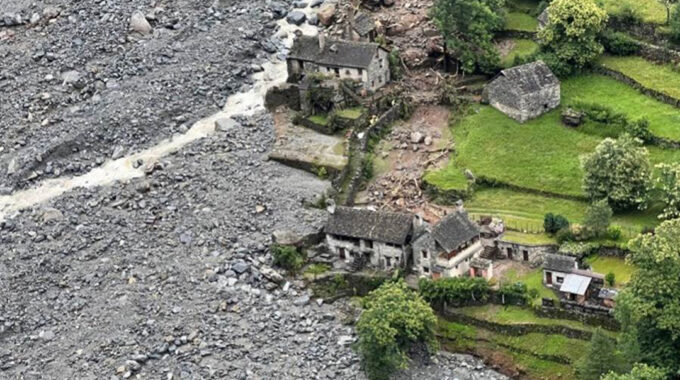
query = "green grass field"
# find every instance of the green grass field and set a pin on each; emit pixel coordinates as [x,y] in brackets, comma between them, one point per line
[525,238]
[350,113]
[658,77]
[664,119]
[523,351]
[522,48]
[651,11]
[320,119]
[533,280]
[520,21]
[617,265]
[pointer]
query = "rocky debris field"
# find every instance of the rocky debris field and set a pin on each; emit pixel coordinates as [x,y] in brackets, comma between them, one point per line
[92,80]
[168,276]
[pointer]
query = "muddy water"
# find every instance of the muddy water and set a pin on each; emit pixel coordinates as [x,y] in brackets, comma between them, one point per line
[120,170]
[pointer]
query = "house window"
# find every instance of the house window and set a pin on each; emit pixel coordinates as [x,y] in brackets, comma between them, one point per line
[361,71]
[559,280]
[337,72]
[426,270]
[369,244]
[388,261]
[372,83]
[424,253]
[347,72]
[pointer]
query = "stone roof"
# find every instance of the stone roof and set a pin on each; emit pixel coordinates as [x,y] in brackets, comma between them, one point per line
[364,24]
[575,284]
[454,230]
[559,263]
[386,227]
[337,53]
[528,78]
[588,273]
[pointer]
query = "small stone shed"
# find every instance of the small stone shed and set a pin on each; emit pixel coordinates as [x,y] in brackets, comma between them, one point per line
[364,28]
[365,62]
[524,92]
[380,239]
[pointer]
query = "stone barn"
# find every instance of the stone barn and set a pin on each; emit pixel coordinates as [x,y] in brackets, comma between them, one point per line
[524,92]
[364,62]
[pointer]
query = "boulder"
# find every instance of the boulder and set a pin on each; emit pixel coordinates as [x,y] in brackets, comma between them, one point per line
[296,17]
[417,137]
[326,13]
[139,24]
[572,117]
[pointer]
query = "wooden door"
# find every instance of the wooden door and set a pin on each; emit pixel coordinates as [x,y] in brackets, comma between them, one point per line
[548,278]
[342,253]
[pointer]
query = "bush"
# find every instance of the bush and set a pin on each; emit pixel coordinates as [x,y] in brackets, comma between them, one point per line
[454,291]
[598,217]
[564,235]
[396,69]
[675,24]
[614,232]
[394,320]
[553,223]
[516,293]
[618,43]
[606,115]
[610,279]
[287,257]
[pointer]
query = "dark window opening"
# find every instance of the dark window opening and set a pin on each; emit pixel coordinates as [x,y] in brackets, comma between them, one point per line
[426,270]
[424,254]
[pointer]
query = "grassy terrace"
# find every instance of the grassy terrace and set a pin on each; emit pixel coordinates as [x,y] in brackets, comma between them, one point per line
[617,265]
[658,77]
[520,350]
[651,11]
[664,119]
[523,238]
[523,47]
[320,119]
[520,21]
[533,280]
[516,315]
[541,157]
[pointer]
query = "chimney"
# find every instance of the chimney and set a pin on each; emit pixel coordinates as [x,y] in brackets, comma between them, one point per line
[322,41]
[459,205]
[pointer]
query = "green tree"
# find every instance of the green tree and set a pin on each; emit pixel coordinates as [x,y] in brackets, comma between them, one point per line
[618,171]
[651,301]
[668,181]
[600,357]
[468,28]
[610,279]
[553,223]
[570,39]
[394,319]
[668,4]
[639,372]
[598,217]
[675,24]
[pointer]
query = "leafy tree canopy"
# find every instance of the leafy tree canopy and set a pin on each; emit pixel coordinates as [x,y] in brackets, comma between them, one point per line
[598,216]
[668,181]
[571,35]
[468,28]
[394,320]
[618,171]
[639,372]
[600,358]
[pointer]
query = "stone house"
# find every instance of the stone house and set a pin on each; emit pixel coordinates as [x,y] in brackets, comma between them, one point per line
[524,92]
[449,248]
[527,253]
[364,62]
[376,238]
[556,268]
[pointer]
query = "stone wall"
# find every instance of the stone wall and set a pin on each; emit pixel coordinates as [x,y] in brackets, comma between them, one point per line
[515,251]
[635,84]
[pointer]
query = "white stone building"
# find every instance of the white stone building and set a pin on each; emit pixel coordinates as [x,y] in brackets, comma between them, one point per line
[449,248]
[365,237]
[364,62]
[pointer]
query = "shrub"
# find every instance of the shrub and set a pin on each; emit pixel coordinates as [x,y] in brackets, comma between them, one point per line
[454,291]
[515,293]
[316,269]
[675,24]
[606,115]
[564,235]
[618,43]
[614,232]
[396,69]
[287,257]
[598,217]
[553,223]
[393,321]
[610,279]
